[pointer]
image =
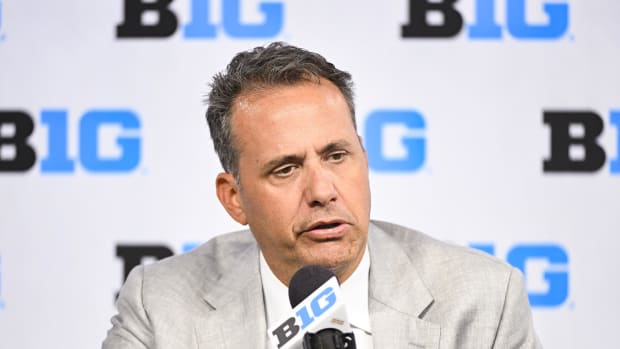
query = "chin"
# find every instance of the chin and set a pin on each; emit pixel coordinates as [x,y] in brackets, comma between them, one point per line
[335,255]
[334,263]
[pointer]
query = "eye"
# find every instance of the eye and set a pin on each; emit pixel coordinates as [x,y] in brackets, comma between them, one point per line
[337,156]
[284,171]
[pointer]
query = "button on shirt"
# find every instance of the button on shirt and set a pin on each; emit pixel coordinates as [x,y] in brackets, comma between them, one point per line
[354,294]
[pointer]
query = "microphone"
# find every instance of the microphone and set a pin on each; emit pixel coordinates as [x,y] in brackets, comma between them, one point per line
[319,317]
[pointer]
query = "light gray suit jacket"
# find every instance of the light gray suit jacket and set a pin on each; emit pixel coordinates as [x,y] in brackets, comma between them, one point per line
[423,293]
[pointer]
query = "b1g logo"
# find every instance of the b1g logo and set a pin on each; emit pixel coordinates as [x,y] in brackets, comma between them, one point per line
[164,22]
[574,142]
[395,140]
[17,155]
[553,275]
[448,21]
[309,311]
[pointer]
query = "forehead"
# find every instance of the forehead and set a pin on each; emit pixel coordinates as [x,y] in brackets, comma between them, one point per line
[290,115]
[287,95]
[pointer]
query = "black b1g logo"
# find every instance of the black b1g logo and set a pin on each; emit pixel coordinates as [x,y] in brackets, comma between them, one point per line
[574,141]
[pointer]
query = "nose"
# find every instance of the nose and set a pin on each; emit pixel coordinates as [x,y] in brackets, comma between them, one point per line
[320,187]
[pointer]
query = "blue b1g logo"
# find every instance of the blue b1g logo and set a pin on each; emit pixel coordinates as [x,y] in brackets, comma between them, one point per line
[395,140]
[555,275]
[201,24]
[17,155]
[484,24]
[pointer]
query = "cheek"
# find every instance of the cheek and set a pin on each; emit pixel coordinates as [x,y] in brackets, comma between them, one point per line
[270,209]
[359,190]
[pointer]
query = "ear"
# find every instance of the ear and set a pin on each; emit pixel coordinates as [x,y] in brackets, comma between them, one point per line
[229,194]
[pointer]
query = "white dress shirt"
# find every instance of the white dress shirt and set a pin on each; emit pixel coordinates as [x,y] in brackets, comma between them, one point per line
[354,293]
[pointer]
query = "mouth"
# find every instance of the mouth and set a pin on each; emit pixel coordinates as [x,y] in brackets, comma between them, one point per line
[326,230]
[324,225]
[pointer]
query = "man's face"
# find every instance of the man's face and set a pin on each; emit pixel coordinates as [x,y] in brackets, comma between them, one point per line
[303,177]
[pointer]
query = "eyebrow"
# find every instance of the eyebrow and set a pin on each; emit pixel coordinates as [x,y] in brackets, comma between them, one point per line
[337,145]
[298,159]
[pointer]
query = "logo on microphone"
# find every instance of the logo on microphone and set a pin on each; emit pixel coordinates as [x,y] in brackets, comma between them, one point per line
[324,306]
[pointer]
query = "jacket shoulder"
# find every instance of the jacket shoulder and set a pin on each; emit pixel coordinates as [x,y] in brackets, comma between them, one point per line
[160,303]
[458,277]
[425,251]
[185,275]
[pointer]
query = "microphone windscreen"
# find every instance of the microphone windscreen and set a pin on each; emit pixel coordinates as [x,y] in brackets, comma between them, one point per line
[305,281]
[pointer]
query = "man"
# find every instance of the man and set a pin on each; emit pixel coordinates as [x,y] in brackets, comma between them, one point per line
[282,120]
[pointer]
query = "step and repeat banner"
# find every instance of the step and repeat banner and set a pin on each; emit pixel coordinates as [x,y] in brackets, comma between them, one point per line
[488,123]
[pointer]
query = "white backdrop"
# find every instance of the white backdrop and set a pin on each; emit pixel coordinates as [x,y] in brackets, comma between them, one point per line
[481,180]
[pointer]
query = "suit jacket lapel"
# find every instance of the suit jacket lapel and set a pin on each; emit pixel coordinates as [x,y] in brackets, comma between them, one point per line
[234,296]
[398,297]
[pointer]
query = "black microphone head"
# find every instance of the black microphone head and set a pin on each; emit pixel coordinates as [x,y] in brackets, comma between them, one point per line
[305,281]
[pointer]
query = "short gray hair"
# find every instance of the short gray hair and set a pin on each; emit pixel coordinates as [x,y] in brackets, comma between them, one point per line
[273,65]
